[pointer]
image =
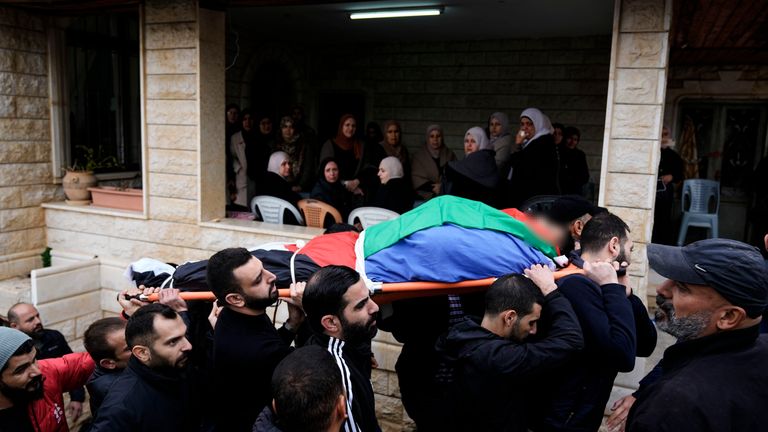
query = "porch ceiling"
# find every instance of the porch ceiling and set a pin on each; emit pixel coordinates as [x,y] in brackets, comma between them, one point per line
[719,32]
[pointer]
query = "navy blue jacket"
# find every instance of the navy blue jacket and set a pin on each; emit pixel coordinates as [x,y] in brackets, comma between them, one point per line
[491,375]
[616,330]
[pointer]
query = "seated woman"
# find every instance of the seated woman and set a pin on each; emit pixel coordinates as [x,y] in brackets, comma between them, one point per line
[357,162]
[394,193]
[274,182]
[429,163]
[475,177]
[329,189]
[393,146]
[501,140]
[301,152]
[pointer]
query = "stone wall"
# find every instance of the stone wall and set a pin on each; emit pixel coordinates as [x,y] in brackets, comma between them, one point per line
[25,143]
[457,84]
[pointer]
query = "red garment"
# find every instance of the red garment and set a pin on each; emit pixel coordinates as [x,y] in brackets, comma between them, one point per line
[336,249]
[348,143]
[61,375]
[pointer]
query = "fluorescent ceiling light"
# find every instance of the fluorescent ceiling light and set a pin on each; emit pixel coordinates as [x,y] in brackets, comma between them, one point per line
[395,13]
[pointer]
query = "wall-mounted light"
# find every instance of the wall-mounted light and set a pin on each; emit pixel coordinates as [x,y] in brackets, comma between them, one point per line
[395,13]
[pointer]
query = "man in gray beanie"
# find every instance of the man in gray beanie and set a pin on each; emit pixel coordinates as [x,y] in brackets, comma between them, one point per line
[30,391]
[714,377]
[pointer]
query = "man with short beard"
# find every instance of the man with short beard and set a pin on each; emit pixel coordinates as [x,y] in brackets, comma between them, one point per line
[30,391]
[616,329]
[343,318]
[714,377]
[153,392]
[49,343]
[247,347]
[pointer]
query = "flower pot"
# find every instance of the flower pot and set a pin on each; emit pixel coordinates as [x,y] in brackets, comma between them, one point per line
[76,184]
[112,197]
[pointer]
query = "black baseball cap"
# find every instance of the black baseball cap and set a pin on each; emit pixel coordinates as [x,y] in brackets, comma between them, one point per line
[734,269]
[568,208]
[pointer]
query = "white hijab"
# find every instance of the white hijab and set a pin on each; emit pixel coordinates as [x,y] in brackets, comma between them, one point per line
[275,160]
[393,166]
[482,140]
[540,122]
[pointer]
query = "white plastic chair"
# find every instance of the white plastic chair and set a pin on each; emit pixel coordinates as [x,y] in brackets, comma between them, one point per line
[701,204]
[371,216]
[272,209]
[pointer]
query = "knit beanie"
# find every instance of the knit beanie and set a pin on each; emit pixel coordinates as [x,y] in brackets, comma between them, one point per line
[10,341]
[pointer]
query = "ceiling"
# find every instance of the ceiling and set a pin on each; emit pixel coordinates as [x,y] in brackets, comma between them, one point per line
[461,20]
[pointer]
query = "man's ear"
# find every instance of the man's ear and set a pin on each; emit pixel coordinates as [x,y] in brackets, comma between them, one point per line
[730,317]
[578,227]
[340,410]
[108,363]
[614,246]
[274,407]
[509,317]
[13,325]
[331,323]
[235,299]
[141,352]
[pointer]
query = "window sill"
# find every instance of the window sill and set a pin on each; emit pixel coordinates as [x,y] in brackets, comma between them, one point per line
[298,232]
[90,209]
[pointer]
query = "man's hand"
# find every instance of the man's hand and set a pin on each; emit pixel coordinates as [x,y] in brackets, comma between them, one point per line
[214,315]
[74,410]
[543,278]
[132,305]
[666,179]
[170,297]
[601,272]
[295,312]
[617,421]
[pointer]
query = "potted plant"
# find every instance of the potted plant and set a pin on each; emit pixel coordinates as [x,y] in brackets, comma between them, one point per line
[118,197]
[78,178]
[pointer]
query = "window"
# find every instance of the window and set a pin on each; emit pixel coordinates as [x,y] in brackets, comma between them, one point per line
[101,61]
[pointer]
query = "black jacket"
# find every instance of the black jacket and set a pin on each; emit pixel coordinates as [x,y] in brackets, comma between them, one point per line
[714,383]
[491,374]
[266,422]
[396,195]
[475,177]
[247,349]
[142,399]
[534,171]
[98,385]
[357,360]
[52,344]
[616,330]
[574,172]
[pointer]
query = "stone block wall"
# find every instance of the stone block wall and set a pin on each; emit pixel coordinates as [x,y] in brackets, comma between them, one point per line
[456,84]
[25,141]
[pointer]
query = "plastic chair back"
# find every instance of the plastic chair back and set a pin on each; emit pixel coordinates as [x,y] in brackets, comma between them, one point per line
[701,196]
[272,209]
[370,216]
[314,212]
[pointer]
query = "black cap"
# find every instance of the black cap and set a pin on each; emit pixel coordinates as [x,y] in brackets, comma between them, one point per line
[734,269]
[568,208]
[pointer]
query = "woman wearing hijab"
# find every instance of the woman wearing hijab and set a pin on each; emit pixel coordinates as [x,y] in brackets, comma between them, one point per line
[274,182]
[393,145]
[357,162]
[429,163]
[394,193]
[301,154]
[501,140]
[475,177]
[532,170]
[249,160]
[329,189]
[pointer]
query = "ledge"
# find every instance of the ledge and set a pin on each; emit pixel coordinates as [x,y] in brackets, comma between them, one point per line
[60,205]
[298,232]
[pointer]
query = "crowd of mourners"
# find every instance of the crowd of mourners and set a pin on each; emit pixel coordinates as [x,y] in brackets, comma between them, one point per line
[500,166]
[538,351]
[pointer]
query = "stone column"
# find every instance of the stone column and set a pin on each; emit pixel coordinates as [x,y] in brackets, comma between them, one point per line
[635,106]
[26,178]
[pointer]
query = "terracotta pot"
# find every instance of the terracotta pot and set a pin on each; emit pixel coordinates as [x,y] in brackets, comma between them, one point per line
[123,199]
[76,184]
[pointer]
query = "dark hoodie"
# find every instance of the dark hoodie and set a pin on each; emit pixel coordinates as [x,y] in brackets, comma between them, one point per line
[487,390]
[475,177]
[266,422]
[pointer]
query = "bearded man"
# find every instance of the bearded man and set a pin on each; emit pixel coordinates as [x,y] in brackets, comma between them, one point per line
[30,391]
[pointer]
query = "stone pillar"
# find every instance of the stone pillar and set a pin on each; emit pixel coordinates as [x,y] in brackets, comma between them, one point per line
[636,91]
[26,178]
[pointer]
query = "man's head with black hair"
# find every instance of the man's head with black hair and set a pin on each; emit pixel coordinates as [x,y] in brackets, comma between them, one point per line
[606,236]
[338,304]
[240,281]
[512,307]
[307,390]
[156,335]
[105,342]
